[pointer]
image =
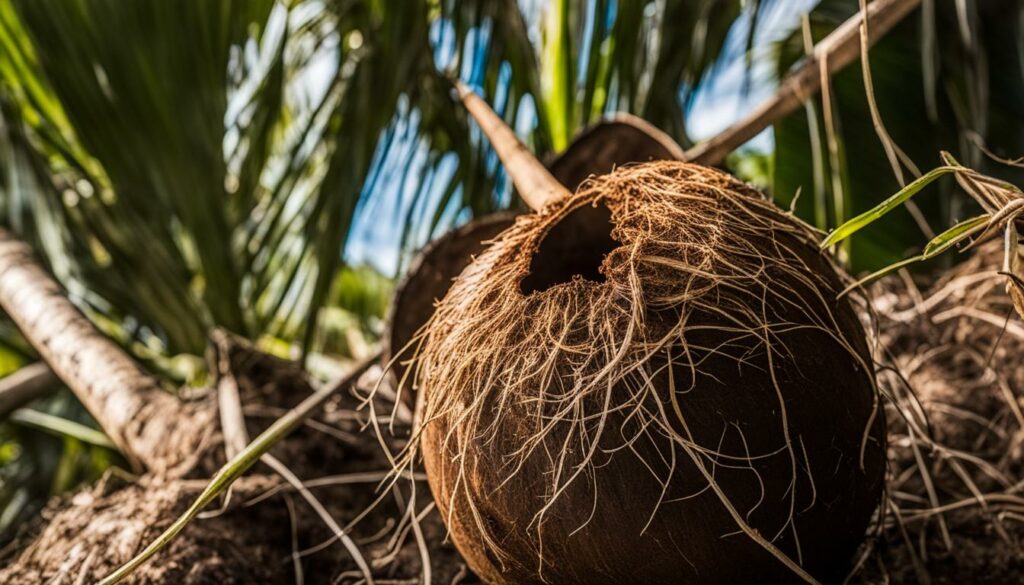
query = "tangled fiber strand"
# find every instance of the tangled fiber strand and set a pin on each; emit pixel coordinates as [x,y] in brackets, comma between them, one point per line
[957,429]
[703,352]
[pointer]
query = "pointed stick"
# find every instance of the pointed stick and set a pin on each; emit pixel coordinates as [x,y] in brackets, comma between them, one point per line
[533,181]
[840,48]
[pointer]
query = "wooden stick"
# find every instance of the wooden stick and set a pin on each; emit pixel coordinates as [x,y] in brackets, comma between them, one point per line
[25,385]
[840,48]
[533,181]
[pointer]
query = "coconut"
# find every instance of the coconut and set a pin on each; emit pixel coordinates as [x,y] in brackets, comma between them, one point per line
[652,381]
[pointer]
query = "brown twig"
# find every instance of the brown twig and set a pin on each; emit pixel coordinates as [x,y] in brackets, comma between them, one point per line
[533,181]
[24,386]
[840,48]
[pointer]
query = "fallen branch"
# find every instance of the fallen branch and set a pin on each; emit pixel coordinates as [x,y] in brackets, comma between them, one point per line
[130,406]
[840,48]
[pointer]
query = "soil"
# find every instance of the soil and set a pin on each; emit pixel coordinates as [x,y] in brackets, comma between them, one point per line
[957,347]
[85,536]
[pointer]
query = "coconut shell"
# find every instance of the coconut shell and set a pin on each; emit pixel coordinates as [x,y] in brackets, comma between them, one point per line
[596,150]
[430,276]
[612,143]
[638,423]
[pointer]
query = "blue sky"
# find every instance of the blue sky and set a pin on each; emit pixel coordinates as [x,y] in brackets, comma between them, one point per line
[722,99]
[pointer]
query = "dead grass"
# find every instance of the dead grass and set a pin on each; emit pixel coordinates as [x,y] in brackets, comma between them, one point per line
[957,430]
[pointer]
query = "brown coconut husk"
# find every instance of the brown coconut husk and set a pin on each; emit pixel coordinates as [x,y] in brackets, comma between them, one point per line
[652,381]
[921,333]
[599,149]
[428,279]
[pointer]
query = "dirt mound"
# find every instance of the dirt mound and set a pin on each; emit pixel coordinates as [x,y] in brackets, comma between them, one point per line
[956,511]
[265,533]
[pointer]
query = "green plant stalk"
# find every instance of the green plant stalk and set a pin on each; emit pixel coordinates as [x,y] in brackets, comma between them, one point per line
[936,246]
[953,235]
[558,74]
[854,225]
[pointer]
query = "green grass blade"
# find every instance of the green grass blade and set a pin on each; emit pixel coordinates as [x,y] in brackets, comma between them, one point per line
[953,235]
[61,426]
[857,223]
[936,246]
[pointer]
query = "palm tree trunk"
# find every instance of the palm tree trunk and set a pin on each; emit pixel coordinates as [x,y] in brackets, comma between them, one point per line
[128,404]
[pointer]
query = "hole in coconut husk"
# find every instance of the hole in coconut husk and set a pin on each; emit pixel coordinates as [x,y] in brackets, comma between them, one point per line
[574,248]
